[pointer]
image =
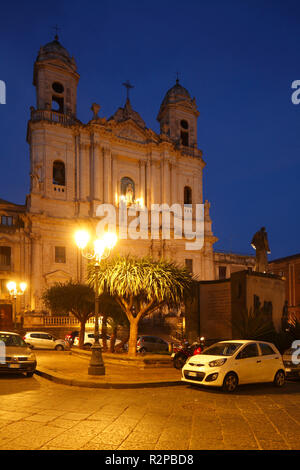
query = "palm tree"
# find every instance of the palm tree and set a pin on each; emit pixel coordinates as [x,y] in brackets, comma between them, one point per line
[71,297]
[140,286]
[253,324]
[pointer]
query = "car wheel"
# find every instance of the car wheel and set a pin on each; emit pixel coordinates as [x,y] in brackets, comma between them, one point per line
[59,347]
[230,382]
[143,351]
[279,379]
[179,362]
[87,346]
[29,374]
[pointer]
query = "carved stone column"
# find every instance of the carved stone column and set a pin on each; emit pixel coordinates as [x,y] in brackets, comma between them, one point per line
[84,171]
[107,177]
[97,171]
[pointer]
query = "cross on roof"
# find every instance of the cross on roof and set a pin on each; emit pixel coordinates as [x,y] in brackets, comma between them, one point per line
[128,86]
[56,28]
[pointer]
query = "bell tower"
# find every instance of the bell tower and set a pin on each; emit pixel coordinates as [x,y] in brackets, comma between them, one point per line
[51,132]
[178,116]
[56,79]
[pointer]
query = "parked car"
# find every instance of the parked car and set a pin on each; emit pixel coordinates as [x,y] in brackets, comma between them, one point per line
[229,363]
[89,339]
[146,343]
[70,337]
[15,355]
[42,340]
[291,368]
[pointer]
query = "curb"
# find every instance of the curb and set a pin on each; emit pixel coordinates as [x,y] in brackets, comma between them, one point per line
[82,383]
[140,363]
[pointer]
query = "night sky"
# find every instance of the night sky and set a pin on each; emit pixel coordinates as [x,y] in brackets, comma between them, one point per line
[237,57]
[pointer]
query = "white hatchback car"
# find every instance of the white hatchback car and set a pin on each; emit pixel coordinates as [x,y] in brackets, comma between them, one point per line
[89,339]
[42,340]
[229,363]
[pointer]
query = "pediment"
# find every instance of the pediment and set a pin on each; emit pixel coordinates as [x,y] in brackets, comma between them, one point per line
[57,276]
[130,131]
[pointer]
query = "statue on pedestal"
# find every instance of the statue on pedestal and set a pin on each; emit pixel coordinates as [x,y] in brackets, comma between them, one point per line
[261,245]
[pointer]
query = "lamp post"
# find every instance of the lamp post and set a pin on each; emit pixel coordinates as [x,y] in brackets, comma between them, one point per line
[14,292]
[101,250]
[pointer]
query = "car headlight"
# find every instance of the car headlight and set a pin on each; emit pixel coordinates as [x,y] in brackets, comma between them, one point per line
[217,363]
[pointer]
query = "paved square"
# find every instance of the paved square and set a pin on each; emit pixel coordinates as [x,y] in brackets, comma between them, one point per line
[37,414]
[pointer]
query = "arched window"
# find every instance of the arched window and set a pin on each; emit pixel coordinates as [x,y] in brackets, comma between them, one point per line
[184,132]
[59,173]
[58,104]
[187,195]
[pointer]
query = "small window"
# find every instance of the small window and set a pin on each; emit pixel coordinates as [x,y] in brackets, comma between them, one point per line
[266,350]
[249,351]
[59,173]
[189,265]
[7,220]
[60,254]
[184,124]
[58,87]
[222,272]
[187,195]
[5,256]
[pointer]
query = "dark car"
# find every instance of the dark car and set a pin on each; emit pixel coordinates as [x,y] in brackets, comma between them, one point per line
[70,337]
[291,362]
[15,355]
[147,343]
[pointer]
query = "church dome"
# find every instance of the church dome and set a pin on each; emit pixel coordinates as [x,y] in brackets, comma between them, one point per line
[55,47]
[176,93]
[54,50]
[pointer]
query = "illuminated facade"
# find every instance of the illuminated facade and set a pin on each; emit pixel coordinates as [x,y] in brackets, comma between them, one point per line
[76,166]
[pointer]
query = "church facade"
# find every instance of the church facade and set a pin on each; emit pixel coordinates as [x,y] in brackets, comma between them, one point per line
[75,167]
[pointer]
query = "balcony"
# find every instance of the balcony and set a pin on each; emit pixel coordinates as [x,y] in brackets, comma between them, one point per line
[51,116]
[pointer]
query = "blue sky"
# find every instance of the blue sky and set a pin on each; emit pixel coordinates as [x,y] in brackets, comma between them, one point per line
[237,57]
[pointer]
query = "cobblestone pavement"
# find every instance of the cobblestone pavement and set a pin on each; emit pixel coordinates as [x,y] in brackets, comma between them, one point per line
[37,414]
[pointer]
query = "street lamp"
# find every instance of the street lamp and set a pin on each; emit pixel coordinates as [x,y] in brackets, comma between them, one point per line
[101,250]
[14,292]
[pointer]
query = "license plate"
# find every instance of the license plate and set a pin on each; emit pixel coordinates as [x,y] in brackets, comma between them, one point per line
[192,374]
[14,366]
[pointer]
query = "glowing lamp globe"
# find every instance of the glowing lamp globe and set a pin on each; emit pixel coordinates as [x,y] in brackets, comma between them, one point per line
[82,238]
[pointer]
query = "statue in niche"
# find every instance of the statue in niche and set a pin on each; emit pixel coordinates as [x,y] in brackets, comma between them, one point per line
[36,178]
[129,194]
[128,190]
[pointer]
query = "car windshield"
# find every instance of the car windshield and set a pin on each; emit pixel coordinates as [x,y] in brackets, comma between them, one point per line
[12,340]
[222,349]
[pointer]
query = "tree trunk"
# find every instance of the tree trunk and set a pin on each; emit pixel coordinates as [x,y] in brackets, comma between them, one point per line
[104,332]
[81,333]
[121,345]
[134,323]
[113,338]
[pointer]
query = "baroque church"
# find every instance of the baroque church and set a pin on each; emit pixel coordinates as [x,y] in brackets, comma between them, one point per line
[76,166]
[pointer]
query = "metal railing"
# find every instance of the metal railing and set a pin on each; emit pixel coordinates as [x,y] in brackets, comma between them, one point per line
[52,116]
